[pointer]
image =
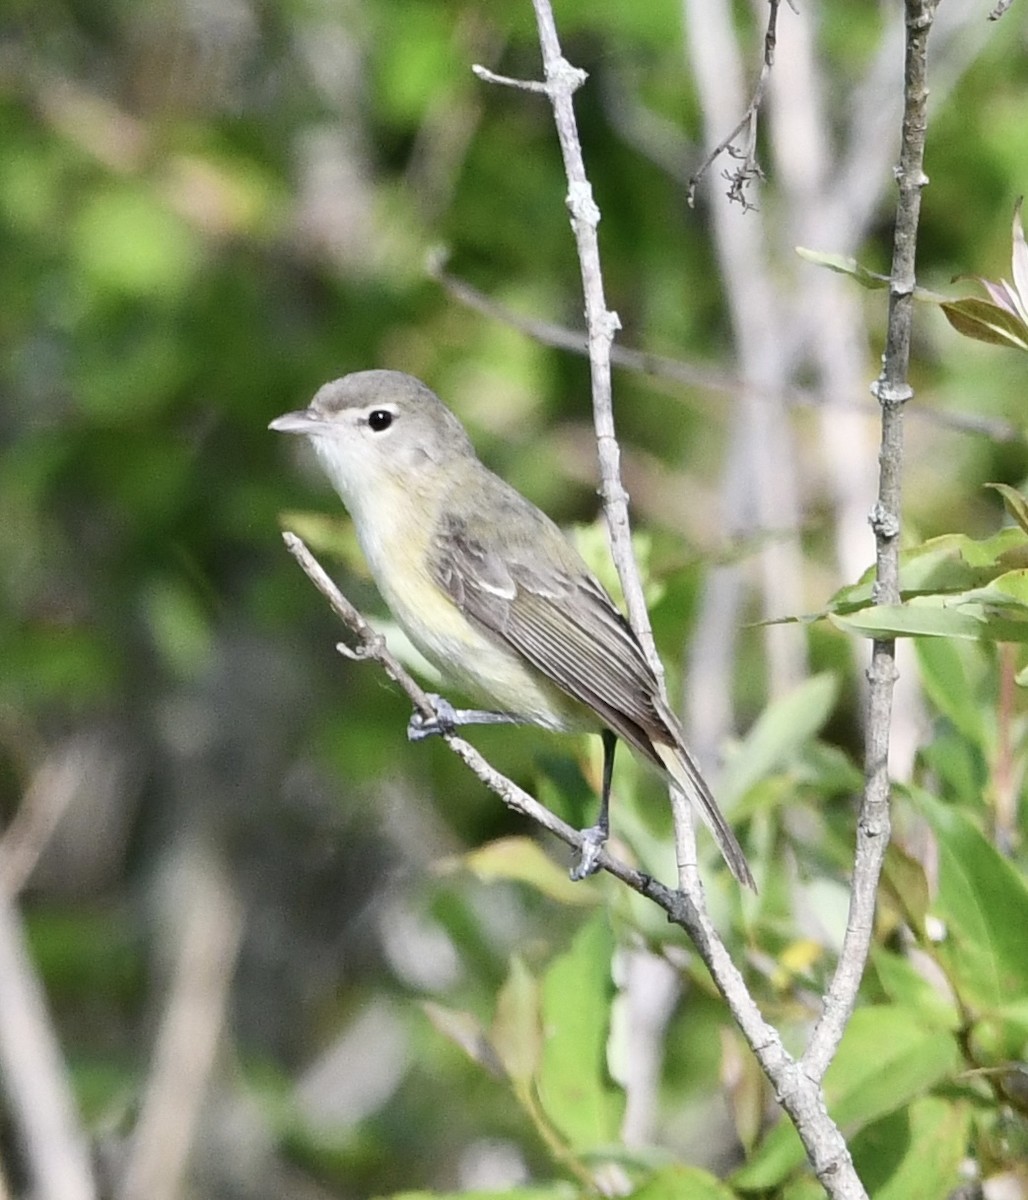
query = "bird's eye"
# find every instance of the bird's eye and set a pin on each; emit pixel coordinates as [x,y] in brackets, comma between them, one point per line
[379,419]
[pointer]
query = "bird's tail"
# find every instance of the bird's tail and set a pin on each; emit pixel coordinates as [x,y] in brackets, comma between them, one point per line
[682,768]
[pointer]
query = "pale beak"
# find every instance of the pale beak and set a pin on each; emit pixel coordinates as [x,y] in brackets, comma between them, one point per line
[303,421]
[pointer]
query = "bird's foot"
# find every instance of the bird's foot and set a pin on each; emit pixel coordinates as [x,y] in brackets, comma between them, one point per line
[593,840]
[444,721]
[448,719]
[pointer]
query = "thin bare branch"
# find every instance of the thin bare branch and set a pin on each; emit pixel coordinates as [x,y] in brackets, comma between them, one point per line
[208,939]
[892,391]
[51,790]
[562,81]
[741,177]
[34,1076]
[676,370]
[521,85]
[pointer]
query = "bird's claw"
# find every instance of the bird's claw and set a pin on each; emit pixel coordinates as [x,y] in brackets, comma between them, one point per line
[443,721]
[593,840]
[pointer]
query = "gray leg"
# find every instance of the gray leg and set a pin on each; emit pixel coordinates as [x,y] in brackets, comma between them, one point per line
[447,719]
[594,838]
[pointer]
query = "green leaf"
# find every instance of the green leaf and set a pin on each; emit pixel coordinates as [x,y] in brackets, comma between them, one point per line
[574,1086]
[914,1153]
[958,765]
[803,1187]
[908,988]
[1007,592]
[524,861]
[983,902]
[888,1055]
[986,322]
[465,1031]
[678,1182]
[517,1034]
[1014,502]
[944,668]
[778,734]
[948,564]
[908,620]
[905,885]
[843,264]
[932,616]
[1001,1037]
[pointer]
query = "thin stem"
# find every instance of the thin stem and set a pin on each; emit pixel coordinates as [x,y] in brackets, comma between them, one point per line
[709,379]
[750,170]
[892,391]
[562,81]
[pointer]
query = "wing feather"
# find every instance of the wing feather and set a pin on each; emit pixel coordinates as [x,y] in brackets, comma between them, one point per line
[558,617]
[563,623]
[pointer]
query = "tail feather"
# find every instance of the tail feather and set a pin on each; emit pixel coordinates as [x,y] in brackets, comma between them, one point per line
[679,764]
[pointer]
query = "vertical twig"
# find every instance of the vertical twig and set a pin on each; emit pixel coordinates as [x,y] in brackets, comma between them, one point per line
[562,81]
[892,391]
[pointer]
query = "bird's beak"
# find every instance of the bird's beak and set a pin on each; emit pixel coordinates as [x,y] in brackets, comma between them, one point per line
[303,421]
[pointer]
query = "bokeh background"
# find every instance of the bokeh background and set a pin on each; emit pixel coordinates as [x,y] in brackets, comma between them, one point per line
[210,207]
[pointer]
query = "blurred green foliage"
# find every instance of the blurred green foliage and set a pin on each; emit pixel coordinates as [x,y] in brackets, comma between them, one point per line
[205,213]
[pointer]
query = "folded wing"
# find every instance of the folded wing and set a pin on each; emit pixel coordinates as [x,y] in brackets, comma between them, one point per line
[557,616]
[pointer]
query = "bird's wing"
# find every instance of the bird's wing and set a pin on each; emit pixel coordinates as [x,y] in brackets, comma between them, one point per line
[557,616]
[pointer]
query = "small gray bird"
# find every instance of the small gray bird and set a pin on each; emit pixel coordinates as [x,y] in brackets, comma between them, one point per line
[489,589]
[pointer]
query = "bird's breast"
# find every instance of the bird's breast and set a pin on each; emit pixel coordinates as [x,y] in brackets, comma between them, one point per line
[476,661]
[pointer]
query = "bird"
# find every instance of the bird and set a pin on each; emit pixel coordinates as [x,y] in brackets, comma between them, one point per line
[491,591]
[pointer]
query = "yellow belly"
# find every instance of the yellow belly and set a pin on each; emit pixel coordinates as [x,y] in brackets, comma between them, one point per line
[478,663]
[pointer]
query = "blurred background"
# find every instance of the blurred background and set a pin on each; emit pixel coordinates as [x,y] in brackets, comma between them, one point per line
[235,880]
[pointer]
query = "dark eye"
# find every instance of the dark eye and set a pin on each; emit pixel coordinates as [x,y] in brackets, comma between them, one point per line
[379,419]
